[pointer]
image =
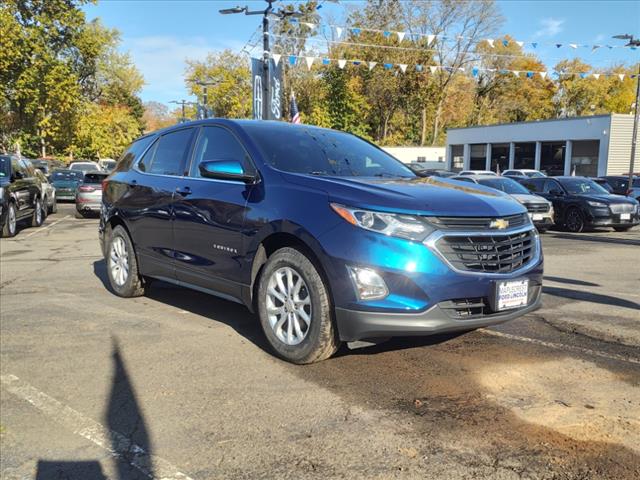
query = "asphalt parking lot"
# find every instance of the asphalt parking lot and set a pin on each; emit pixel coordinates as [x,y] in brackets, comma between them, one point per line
[180,385]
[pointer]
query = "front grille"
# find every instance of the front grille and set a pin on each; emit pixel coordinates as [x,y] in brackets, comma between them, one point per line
[477,223]
[537,207]
[499,253]
[621,207]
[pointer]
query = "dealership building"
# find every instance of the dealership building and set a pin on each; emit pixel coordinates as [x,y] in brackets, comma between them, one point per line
[593,146]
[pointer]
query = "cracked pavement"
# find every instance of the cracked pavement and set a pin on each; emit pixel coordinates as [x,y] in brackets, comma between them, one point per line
[185,381]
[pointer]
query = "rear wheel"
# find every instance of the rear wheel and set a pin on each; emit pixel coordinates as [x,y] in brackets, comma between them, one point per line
[621,229]
[10,223]
[574,221]
[295,309]
[79,214]
[54,205]
[122,266]
[37,217]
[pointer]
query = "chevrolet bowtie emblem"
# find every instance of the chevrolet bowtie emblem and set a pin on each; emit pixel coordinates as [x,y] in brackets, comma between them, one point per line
[499,224]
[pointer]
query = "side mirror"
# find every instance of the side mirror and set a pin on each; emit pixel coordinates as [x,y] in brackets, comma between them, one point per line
[225,170]
[17,176]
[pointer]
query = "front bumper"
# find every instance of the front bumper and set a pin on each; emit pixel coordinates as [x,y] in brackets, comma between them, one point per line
[359,325]
[604,218]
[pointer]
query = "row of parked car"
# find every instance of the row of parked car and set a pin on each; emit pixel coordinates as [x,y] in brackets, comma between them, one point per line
[573,202]
[30,190]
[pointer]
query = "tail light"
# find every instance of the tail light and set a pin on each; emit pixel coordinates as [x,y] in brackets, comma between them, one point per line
[86,188]
[105,182]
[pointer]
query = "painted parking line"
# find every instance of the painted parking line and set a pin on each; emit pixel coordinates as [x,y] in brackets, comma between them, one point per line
[562,346]
[113,442]
[41,229]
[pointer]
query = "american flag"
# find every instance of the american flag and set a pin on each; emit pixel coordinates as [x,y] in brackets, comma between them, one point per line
[295,114]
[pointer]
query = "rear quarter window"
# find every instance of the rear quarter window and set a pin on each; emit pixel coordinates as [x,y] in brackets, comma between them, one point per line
[133,152]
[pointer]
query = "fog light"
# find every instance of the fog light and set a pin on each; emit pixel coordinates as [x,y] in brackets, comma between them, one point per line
[368,283]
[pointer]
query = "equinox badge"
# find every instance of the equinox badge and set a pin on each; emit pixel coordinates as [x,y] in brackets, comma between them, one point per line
[499,223]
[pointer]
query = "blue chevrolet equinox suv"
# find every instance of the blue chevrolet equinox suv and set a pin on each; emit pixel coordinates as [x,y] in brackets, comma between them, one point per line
[324,235]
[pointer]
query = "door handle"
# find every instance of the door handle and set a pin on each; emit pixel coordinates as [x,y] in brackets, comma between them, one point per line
[184,191]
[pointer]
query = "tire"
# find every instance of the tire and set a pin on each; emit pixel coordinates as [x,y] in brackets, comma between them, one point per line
[79,214]
[622,229]
[45,209]
[319,340]
[542,230]
[122,265]
[37,217]
[54,206]
[574,220]
[9,228]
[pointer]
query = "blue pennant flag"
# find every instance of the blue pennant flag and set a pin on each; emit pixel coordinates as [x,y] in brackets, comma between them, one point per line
[355,31]
[293,20]
[505,42]
[356,62]
[418,68]
[584,75]
[534,44]
[388,66]
[505,71]
[558,45]
[386,33]
[633,48]
[609,47]
[529,74]
[474,71]
[292,59]
[326,61]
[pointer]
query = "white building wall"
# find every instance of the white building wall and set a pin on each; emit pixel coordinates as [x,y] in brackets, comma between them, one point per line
[620,145]
[411,154]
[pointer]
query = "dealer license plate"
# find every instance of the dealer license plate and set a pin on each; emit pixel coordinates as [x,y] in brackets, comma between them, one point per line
[537,216]
[625,216]
[512,294]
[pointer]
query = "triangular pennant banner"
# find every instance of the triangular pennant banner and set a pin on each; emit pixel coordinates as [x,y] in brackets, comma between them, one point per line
[520,44]
[583,75]
[276,58]
[543,74]
[433,68]
[356,62]
[573,45]
[342,63]
[403,67]
[621,76]
[386,33]
[596,76]
[534,44]
[505,42]
[558,45]
[338,32]
[529,74]
[418,68]
[595,47]
[430,39]
[310,25]
[292,59]
[474,71]
[516,73]
[309,61]
[355,31]
[387,66]
[401,36]
[372,64]
[490,42]
[326,61]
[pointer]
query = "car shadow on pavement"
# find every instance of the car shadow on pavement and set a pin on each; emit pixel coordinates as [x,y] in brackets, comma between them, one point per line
[593,238]
[570,281]
[590,297]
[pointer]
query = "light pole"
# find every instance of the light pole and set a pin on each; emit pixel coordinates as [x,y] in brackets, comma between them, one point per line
[204,86]
[633,42]
[182,103]
[266,54]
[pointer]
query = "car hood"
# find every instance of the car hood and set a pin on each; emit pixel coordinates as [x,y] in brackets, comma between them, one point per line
[434,196]
[528,198]
[607,198]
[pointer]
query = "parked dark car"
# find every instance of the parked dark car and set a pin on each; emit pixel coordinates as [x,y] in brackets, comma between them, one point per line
[20,195]
[326,236]
[89,194]
[620,185]
[580,203]
[540,210]
[603,183]
[66,183]
[420,170]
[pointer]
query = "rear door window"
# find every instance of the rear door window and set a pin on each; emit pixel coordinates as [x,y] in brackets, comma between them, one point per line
[170,153]
[550,185]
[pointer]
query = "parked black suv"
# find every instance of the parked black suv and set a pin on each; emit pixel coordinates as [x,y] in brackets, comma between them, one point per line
[581,203]
[20,195]
[619,185]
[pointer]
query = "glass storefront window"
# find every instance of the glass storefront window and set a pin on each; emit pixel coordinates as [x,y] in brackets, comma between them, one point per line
[478,158]
[552,158]
[457,158]
[525,156]
[584,157]
[499,156]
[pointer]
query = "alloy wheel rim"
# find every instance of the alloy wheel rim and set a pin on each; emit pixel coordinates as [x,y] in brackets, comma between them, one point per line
[288,306]
[574,221]
[12,220]
[119,261]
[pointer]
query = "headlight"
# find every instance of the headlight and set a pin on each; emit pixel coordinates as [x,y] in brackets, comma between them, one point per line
[597,204]
[395,225]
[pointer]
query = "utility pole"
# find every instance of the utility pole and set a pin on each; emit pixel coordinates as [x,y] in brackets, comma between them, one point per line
[183,103]
[205,97]
[266,48]
[633,42]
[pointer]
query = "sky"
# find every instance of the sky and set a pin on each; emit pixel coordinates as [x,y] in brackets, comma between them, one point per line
[161,34]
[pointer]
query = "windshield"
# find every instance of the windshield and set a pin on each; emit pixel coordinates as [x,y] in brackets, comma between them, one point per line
[109,163]
[66,176]
[317,151]
[504,184]
[5,166]
[83,165]
[582,186]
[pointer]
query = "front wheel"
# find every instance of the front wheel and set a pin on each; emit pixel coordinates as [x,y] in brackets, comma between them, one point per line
[37,217]
[295,310]
[122,266]
[574,221]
